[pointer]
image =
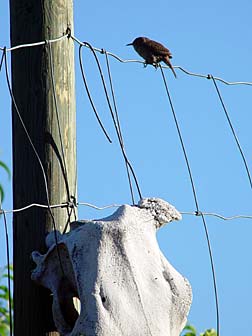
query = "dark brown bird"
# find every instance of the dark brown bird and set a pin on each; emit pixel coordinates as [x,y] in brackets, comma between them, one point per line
[153,52]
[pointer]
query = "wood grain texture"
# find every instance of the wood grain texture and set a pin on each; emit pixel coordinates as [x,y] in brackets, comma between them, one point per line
[33,21]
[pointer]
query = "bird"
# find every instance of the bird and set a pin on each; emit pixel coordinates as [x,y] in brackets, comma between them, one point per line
[153,52]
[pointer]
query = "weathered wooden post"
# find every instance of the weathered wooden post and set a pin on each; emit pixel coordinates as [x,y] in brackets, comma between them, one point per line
[50,122]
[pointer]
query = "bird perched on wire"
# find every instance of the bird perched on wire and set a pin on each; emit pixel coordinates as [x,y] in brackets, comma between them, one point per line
[153,52]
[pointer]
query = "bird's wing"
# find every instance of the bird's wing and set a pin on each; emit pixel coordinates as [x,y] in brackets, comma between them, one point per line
[158,47]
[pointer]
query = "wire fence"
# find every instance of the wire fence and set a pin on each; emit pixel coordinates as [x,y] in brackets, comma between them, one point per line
[71,203]
[114,205]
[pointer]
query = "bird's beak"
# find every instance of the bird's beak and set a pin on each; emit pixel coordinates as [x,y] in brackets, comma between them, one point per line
[129,44]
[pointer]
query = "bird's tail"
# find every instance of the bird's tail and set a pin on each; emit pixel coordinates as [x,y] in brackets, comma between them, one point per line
[168,62]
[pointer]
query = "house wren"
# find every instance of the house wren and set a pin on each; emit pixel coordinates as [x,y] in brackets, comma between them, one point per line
[153,52]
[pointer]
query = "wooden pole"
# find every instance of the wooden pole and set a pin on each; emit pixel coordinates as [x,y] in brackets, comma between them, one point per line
[33,21]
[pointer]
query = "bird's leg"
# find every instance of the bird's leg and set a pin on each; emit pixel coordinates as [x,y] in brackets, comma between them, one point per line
[154,60]
[156,65]
[150,60]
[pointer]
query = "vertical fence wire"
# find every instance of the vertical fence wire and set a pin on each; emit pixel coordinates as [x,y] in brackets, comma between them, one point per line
[199,213]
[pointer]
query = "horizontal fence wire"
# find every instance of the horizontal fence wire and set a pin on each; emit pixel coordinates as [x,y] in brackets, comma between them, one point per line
[121,60]
[35,44]
[190,73]
[114,205]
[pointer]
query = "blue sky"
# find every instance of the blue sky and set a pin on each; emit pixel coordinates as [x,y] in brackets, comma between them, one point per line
[204,37]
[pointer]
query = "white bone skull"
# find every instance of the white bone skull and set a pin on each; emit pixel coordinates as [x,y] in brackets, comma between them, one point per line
[115,268]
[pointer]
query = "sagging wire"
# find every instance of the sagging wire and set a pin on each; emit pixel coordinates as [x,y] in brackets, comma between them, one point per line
[198,212]
[116,122]
[181,140]
[36,154]
[121,60]
[90,97]
[112,114]
[190,73]
[65,175]
[232,129]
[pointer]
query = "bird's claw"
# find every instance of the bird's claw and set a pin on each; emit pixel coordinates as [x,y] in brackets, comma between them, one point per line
[156,65]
